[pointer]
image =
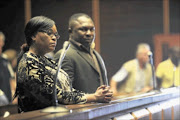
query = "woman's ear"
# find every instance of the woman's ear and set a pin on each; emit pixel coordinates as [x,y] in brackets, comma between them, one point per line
[33,38]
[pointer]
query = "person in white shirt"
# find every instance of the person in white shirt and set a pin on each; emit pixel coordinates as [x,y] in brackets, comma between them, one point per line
[135,75]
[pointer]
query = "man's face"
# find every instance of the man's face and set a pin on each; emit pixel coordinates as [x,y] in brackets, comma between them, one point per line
[143,56]
[83,31]
[175,57]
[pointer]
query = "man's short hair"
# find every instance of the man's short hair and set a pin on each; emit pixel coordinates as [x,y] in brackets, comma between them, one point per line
[173,49]
[142,46]
[74,18]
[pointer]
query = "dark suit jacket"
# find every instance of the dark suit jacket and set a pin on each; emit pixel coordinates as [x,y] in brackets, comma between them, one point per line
[5,77]
[81,69]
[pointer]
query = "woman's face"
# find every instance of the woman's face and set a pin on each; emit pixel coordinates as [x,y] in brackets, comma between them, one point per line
[46,41]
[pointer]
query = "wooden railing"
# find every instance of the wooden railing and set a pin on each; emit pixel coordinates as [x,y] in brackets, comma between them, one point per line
[147,106]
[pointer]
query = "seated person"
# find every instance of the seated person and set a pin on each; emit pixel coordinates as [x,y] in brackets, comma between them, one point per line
[6,71]
[36,73]
[168,71]
[135,75]
[11,56]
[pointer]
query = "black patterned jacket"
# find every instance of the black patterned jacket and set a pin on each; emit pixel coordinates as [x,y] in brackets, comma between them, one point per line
[35,84]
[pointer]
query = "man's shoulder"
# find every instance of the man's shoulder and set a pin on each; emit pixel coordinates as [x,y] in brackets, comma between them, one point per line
[165,63]
[97,53]
[3,60]
[3,57]
[130,62]
[71,52]
[129,65]
[58,52]
[57,55]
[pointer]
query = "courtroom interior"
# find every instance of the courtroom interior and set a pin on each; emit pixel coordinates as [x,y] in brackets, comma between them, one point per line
[90,59]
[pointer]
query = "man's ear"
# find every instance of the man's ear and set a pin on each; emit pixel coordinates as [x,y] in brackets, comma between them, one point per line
[69,30]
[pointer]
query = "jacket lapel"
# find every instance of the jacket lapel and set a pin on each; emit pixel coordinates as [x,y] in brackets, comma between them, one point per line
[102,67]
[99,59]
[86,58]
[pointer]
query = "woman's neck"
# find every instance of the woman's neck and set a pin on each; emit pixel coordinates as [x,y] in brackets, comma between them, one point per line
[35,51]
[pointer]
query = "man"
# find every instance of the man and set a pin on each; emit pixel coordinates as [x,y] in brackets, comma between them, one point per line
[6,71]
[168,71]
[135,75]
[83,64]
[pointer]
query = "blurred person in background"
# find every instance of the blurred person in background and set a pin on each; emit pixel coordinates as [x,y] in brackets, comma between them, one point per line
[6,71]
[11,56]
[135,75]
[168,71]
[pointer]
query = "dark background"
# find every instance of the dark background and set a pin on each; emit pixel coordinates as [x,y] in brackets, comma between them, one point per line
[123,24]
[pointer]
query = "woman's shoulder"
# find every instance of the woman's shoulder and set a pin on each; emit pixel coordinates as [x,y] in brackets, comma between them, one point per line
[64,73]
[28,56]
[29,60]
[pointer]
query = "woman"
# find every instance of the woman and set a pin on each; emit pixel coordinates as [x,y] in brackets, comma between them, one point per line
[36,73]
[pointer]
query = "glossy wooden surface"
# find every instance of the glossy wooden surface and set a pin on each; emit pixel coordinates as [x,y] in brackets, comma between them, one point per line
[119,105]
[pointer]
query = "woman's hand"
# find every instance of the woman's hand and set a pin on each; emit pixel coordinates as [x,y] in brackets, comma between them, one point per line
[103,94]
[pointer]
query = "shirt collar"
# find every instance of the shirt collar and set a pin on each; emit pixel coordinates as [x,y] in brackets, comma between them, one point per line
[170,61]
[79,45]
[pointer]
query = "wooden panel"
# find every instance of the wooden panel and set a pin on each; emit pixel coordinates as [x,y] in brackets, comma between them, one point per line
[166,16]
[155,112]
[96,17]
[125,117]
[142,114]
[27,8]
[103,111]
[166,110]
[8,109]
[175,108]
